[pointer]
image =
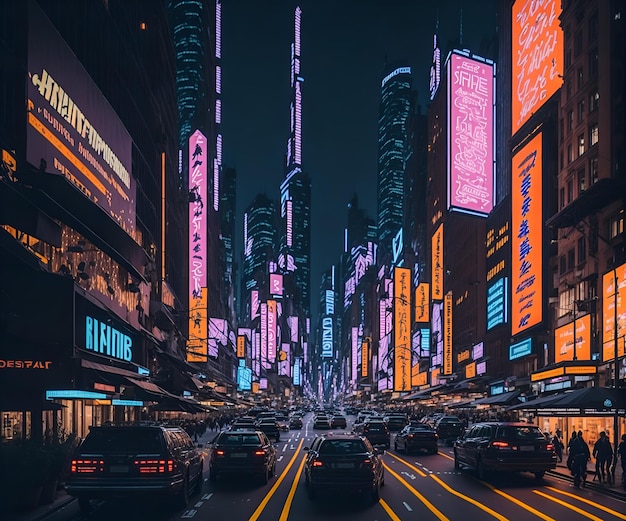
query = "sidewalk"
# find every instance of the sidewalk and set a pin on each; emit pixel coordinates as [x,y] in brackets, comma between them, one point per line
[615,487]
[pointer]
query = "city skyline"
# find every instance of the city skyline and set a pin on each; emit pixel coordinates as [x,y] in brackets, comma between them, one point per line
[340,97]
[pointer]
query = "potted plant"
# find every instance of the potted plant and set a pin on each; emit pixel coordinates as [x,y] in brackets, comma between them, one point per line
[58,449]
[25,468]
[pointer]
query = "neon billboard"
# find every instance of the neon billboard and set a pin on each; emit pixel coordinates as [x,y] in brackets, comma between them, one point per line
[527,237]
[537,61]
[365,357]
[402,329]
[197,344]
[497,303]
[422,303]
[447,334]
[437,263]
[470,135]
[566,347]
[271,331]
[614,306]
[276,284]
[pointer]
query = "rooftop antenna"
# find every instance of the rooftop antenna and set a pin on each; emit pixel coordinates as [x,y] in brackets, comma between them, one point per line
[461,30]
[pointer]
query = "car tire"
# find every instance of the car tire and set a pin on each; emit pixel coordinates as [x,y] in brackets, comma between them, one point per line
[197,487]
[395,446]
[481,470]
[375,493]
[182,499]
[311,492]
[435,450]
[265,477]
[457,463]
[84,504]
[212,474]
[540,474]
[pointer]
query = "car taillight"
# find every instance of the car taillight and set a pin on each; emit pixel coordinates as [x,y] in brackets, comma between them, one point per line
[436,435]
[549,446]
[259,453]
[499,444]
[220,452]
[366,464]
[317,463]
[86,466]
[410,436]
[154,466]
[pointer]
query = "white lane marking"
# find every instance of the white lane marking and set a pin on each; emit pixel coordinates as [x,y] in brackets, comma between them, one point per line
[198,504]
[279,458]
[412,476]
[188,514]
[206,497]
[406,505]
[285,447]
[293,447]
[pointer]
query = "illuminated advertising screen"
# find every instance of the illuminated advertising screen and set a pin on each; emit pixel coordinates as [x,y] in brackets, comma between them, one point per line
[297,371]
[422,303]
[470,135]
[327,337]
[614,305]
[470,370]
[365,358]
[527,237]
[254,304]
[330,302]
[437,263]
[566,348]
[419,379]
[72,130]
[447,334]
[264,362]
[271,331]
[284,361]
[520,349]
[424,342]
[437,335]
[355,352]
[293,328]
[478,351]
[496,303]
[481,368]
[402,329]
[218,335]
[537,61]
[241,346]
[197,345]
[276,284]
[244,378]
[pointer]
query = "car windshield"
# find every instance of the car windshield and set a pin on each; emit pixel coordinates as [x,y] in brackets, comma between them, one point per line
[239,439]
[342,447]
[123,440]
[512,432]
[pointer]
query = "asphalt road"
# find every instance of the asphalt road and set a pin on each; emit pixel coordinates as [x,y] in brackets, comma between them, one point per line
[418,486]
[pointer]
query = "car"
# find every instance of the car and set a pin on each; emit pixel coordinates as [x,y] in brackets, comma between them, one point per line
[417,437]
[245,423]
[396,422]
[504,446]
[283,422]
[449,428]
[295,422]
[321,422]
[376,431]
[338,422]
[242,452]
[343,461]
[270,427]
[129,460]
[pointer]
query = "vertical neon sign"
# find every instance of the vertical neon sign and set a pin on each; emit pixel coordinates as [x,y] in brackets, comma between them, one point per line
[402,329]
[271,331]
[198,293]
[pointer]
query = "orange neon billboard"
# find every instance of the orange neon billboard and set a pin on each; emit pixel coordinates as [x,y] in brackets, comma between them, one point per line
[564,346]
[447,334]
[437,263]
[422,302]
[241,346]
[614,293]
[365,358]
[537,60]
[197,347]
[527,237]
[402,329]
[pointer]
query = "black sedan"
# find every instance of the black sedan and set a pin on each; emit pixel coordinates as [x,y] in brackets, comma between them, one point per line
[321,422]
[417,437]
[240,453]
[505,446]
[270,427]
[341,461]
[295,422]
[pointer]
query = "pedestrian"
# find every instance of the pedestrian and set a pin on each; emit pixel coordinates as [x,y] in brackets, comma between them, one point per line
[570,456]
[558,446]
[580,456]
[621,452]
[603,453]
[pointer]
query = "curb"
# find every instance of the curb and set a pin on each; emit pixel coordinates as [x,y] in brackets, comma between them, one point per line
[613,492]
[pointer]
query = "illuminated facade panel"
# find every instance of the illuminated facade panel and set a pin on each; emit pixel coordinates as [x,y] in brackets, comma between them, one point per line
[447,334]
[614,305]
[497,302]
[437,263]
[568,348]
[537,47]
[402,329]
[527,237]
[422,303]
[471,98]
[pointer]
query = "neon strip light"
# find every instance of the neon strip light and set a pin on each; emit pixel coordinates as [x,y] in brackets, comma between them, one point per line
[73,393]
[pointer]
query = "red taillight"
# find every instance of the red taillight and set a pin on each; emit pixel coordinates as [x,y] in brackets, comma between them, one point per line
[154,466]
[549,446]
[86,466]
[367,463]
[410,435]
[220,452]
[317,463]
[259,453]
[499,444]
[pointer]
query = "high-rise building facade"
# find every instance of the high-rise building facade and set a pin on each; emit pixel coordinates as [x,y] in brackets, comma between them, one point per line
[394,147]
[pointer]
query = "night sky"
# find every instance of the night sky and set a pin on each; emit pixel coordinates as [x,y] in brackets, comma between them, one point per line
[344,46]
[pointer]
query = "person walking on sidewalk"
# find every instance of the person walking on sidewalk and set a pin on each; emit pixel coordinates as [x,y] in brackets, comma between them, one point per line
[603,453]
[621,452]
[580,456]
[558,446]
[570,456]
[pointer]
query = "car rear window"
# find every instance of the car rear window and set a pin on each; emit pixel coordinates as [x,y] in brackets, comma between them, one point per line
[449,420]
[373,427]
[342,447]
[239,439]
[123,440]
[511,432]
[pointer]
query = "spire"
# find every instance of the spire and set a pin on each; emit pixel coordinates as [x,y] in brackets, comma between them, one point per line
[461,30]
[294,146]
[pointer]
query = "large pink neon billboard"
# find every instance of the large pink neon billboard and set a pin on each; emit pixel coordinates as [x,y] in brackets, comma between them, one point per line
[470,135]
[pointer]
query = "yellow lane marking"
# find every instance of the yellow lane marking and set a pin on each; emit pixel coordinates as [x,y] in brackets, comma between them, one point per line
[413,467]
[567,505]
[390,512]
[589,502]
[427,503]
[257,513]
[469,499]
[446,456]
[519,503]
[292,492]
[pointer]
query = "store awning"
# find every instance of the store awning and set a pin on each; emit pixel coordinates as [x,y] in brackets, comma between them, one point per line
[536,404]
[424,393]
[119,375]
[510,398]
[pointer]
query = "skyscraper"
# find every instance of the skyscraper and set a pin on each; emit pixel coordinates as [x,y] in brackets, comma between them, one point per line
[394,149]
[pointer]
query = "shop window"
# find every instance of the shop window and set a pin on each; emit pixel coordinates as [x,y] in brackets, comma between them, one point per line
[581,144]
[582,186]
[593,134]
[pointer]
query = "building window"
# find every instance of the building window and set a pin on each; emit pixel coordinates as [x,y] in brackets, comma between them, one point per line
[581,144]
[581,180]
[582,249]
[570,190]
[593,134]
[570,119]
[593,171]
[561,159]
[561,198]
[580,113]
[570,153]
[562,264]
[593,63]
[568,89]
[594,101]
[578,42]
[561,130]
[616,225]
[580,78]
[593,27]
[568,58]
[571,259]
